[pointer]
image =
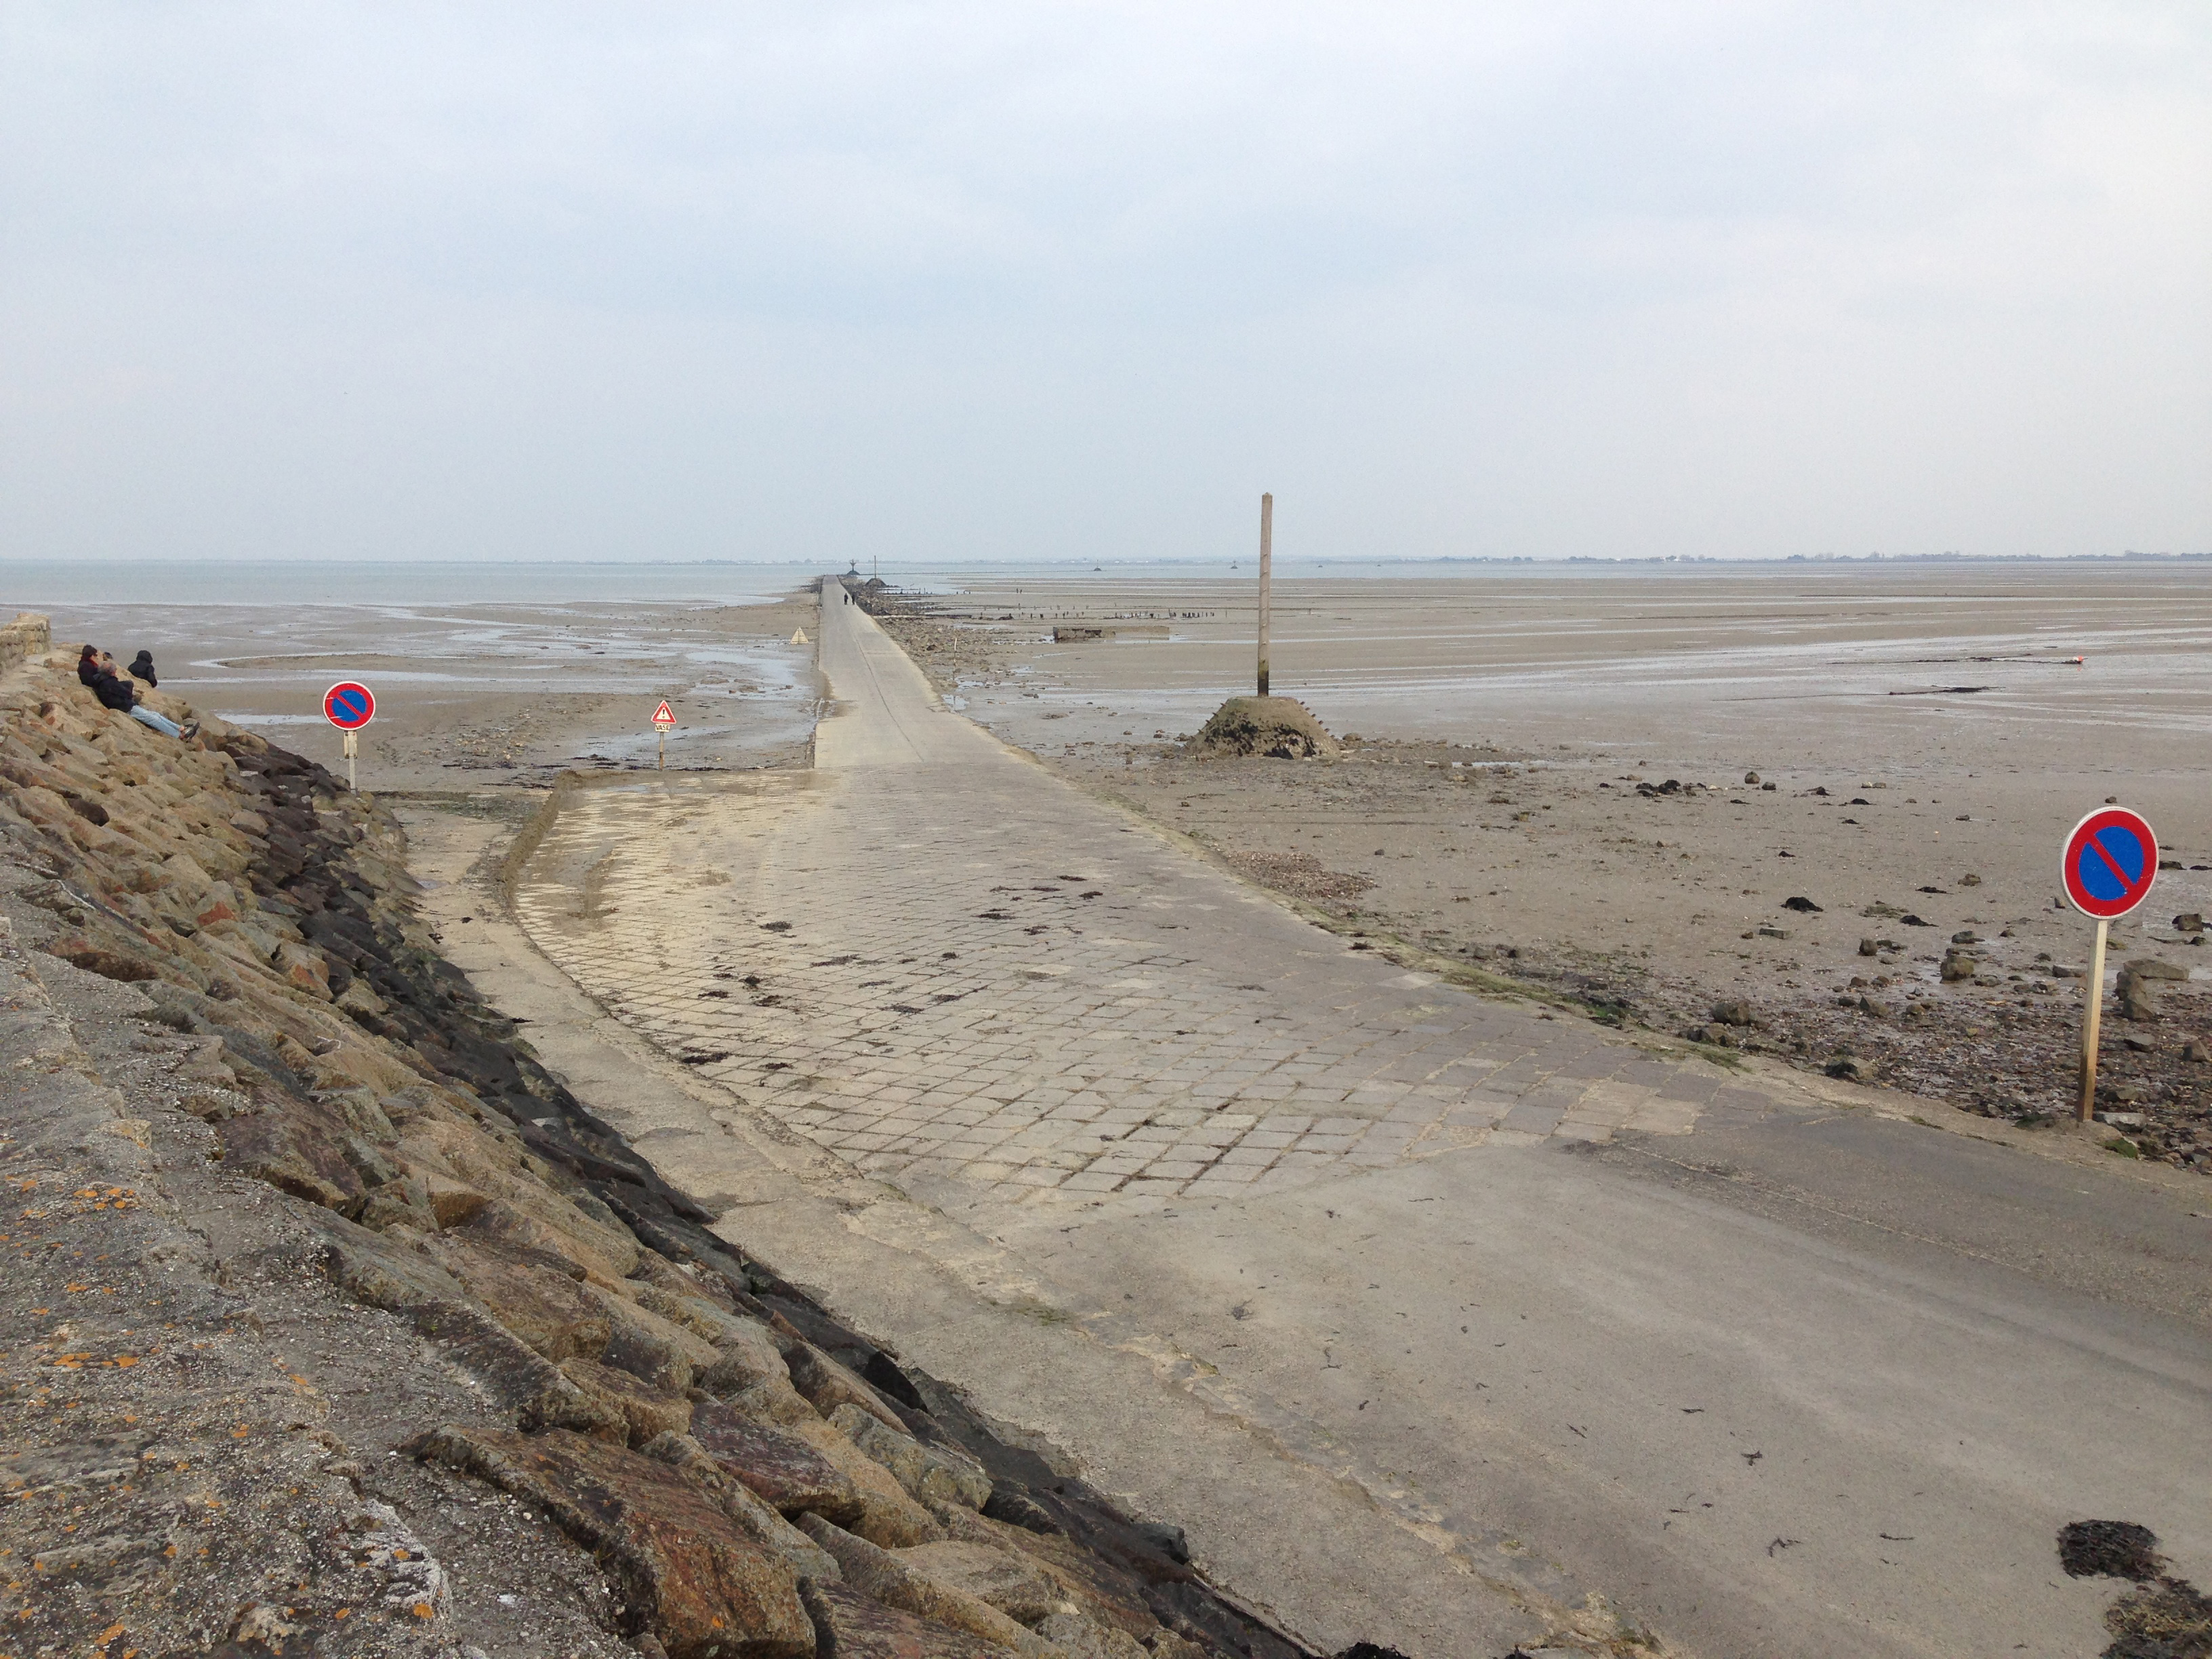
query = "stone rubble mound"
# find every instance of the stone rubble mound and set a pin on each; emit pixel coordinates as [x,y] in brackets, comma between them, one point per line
[257,1123]
[1281,728]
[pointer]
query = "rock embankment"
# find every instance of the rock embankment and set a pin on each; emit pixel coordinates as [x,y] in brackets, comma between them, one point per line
[333,1323]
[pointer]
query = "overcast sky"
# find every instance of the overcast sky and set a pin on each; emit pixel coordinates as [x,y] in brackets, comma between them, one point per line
[989,281]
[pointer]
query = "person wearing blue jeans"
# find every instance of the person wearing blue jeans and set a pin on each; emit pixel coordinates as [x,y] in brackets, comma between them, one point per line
[95,670]
[162,723]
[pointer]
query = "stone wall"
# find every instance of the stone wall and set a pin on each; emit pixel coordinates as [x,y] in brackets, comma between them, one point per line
[20,641]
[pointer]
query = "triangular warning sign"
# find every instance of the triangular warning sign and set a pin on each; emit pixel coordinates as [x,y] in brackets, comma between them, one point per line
[799,636]
[664,715]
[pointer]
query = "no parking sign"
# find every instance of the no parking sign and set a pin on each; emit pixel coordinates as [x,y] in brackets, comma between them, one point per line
[349,705]
[2110,861]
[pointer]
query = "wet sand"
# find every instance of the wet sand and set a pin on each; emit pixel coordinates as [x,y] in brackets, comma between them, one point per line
[1510,805]
[505,693]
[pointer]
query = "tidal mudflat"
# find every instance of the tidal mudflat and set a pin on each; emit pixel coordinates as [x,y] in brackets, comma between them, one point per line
[511,690]
[1813,810]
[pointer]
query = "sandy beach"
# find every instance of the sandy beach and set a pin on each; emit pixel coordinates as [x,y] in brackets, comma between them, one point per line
[1551,779]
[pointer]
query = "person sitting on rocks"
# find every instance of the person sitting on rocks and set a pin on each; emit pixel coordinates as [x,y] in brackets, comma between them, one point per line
[141,668]
[95,669]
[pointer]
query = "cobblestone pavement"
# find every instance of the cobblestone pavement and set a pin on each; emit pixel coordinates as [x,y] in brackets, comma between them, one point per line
[940,962]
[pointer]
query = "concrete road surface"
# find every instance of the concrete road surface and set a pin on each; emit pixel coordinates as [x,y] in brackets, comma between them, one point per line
[1439,1321]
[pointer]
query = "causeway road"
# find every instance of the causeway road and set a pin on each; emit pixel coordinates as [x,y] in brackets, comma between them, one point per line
[1439,1320]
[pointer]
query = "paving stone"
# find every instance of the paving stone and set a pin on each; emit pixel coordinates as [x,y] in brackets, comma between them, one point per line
[1535,1119]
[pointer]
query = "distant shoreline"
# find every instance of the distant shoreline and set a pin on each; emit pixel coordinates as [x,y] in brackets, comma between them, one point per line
[51,583]
[1087,565]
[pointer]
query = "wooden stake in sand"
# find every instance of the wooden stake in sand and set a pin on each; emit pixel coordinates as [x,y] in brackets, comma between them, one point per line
[1267,579]
[2089,1104]
[2110,861]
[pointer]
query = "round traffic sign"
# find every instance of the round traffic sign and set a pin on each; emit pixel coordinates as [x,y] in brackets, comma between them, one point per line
[2109,862]
[348,706]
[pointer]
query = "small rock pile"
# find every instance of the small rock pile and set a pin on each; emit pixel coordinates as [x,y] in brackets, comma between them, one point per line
[737,1473]
[1279,728]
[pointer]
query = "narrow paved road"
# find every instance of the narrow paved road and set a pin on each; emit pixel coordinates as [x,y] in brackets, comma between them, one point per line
[1775,1372]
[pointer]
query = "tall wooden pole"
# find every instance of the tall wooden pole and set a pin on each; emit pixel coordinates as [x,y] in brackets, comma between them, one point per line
[1267,579]
[2087,1108]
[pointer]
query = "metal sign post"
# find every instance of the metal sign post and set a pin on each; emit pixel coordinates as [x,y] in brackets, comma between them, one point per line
[663,718]
[349,705]
[1267,580]
[2110,861]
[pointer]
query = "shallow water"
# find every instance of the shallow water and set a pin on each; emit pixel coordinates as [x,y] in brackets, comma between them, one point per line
[480,684]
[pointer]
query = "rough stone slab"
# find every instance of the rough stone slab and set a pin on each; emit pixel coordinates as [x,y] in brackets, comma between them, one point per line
[295,1146]
[853,1627]
[888,1517]
[1078,1638]
[827,1385]
[787,1474]
[896,1581]
[554,1313]
[700,1585]
[643,1409]
[805,1557]
[925,1472]
[1004,1577]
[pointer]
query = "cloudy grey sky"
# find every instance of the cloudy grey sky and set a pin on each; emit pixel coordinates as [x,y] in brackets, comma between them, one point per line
[977,280]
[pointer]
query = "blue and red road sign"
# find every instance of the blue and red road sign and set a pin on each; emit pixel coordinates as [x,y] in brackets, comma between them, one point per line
[348,706]
[2109,862]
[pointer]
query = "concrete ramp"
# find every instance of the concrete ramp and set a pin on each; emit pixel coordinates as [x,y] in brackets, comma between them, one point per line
[1608,1339]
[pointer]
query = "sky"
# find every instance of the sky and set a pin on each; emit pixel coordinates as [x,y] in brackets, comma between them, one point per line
[980,281]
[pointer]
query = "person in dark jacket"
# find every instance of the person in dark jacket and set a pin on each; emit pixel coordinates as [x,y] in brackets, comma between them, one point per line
[95,669]
[141,668]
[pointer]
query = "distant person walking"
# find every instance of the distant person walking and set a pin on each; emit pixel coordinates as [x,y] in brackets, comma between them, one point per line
[141,668]
[95,670]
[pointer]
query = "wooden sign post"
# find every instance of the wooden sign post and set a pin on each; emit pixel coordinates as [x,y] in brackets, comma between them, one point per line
[1267,580]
